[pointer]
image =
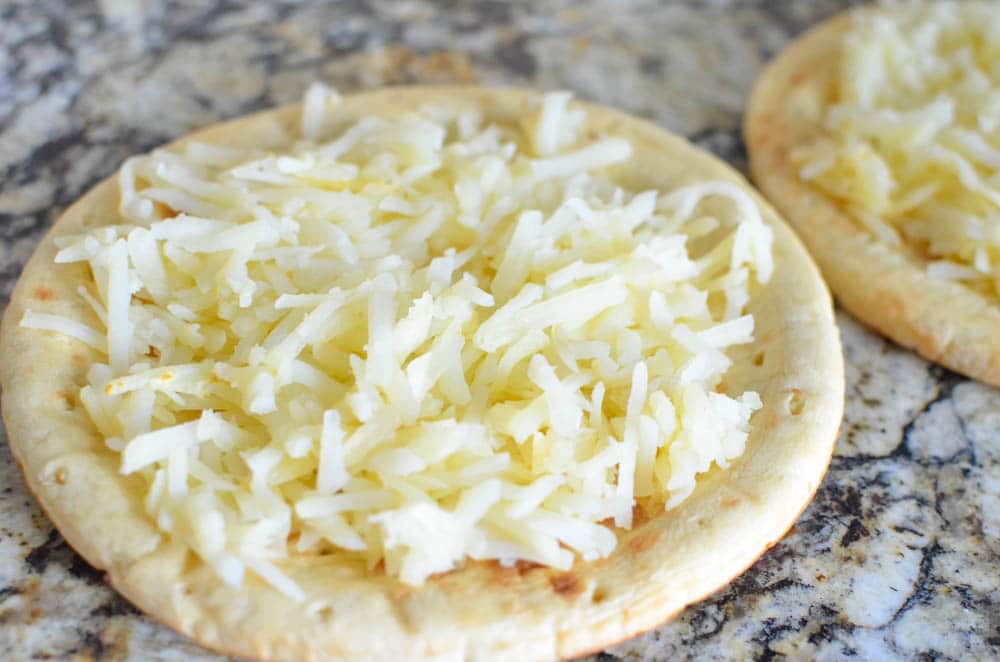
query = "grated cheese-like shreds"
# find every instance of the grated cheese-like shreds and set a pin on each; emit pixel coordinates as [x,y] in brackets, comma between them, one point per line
[426,339]
[912,135]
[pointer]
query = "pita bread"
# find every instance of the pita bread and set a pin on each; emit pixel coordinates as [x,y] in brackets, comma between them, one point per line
[885,286]
[482,611]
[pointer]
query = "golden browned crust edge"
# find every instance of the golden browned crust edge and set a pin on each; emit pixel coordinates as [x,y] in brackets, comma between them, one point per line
[886,287]
[482,611]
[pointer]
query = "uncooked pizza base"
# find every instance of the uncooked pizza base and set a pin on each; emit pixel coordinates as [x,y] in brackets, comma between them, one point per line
[885,286]
[482,611]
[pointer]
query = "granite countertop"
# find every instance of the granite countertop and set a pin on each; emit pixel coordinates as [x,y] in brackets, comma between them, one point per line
[899,554]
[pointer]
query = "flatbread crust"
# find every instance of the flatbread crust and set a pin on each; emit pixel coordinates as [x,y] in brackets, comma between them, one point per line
[885,286]
[482,611]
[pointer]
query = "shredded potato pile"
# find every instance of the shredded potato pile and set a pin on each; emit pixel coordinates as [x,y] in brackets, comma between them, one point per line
[913,135]
[425,339]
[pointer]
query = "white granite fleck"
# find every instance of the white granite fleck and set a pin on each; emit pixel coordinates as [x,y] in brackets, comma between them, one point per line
[876,374]
[34,124]
[989,510]
[26,199]
[937,435]
[881,585]
[978,406]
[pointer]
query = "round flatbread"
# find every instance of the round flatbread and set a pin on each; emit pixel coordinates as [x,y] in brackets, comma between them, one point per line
[886,286]
[482,611]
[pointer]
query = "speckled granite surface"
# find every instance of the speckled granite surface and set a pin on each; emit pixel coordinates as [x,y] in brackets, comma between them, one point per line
[899,555]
